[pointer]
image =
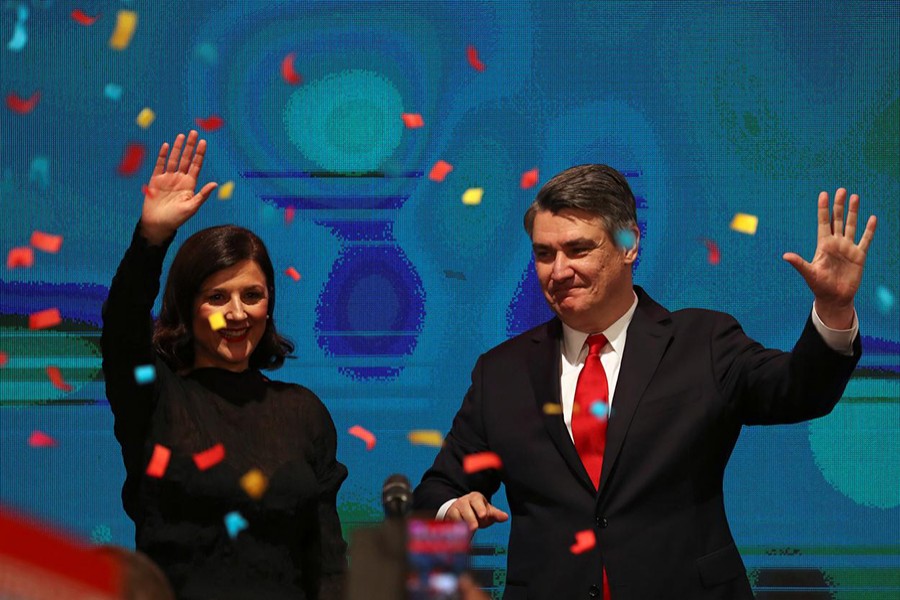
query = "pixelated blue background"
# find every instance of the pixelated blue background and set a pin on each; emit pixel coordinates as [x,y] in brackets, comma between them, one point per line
[710,108]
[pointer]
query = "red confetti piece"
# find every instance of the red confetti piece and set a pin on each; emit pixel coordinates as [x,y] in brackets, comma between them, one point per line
[56,378]
[4,358]
[39,439]
[46,242]
[712,252]
[159,461]
[132,159]
[529,179]
[20,105]
[147,191]
[288,72]
[412,120]
[289,215]
[209,458]
[472,55]
[83,19]
[584,541]
[364,434]
[472,463]
[22,256]
[44,319]
[440,170]
[292,273]
[210,123]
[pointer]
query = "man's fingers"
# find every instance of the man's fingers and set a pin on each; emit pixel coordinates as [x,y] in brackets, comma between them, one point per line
[206,191]
[175,154]
[838,223]
[796,261]
[197,162]
[852,215]
[161,159]
[188,155]
[498,515]
[823,216]
[868,234]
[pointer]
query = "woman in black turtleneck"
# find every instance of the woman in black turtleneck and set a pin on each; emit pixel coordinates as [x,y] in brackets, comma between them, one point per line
[208,393]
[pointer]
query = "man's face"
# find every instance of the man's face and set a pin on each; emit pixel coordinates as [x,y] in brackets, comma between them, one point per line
[585,276]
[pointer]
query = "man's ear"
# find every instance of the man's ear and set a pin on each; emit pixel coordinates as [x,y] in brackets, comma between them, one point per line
[631,252]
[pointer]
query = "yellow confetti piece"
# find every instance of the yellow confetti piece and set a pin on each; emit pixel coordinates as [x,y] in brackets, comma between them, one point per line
[552,408]
[745,223]
[216,321]
[126,22]
[225,190]
[426,437]
[146,117]
[254,483]
[472,196]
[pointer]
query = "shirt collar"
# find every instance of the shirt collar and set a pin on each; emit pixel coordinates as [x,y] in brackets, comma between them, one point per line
[573,340]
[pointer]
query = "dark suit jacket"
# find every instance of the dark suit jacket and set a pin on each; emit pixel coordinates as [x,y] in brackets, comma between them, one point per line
[688,381]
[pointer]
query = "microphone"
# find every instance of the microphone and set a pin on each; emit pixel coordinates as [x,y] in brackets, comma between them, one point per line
[396,494]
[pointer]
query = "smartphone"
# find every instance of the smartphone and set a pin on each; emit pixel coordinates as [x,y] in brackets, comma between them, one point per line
[437,554]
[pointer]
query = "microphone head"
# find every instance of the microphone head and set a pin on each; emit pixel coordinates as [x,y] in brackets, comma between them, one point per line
[396,494]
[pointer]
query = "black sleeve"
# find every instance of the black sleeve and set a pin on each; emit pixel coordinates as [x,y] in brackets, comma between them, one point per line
[767,386]
[127,341]
[446,478]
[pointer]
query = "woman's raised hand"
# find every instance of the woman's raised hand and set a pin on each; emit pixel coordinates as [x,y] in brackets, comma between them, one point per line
[169,199]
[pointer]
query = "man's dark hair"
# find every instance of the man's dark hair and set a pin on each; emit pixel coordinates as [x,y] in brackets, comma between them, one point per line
[597,189]
[203,254]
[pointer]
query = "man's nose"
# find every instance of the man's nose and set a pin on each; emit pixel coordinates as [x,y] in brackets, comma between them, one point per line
[561,267]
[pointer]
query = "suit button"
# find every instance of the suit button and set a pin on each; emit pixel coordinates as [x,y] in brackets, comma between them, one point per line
[594,592]
[601,522]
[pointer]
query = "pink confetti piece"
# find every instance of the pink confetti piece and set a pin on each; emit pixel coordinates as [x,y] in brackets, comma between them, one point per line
[364,434]
[584,541]
[289,214]
[4,358]
[440,170]
[39,439]
[159,461]
[472,55]
[20,105]
[288,72]
[292,273]
[82,18]
[412,120]
[56,378]
[712,252]
[132,159]
[44,319]
[22,256]
[209,458]
[46,242]
[529,179]
[210,123]
[480,461]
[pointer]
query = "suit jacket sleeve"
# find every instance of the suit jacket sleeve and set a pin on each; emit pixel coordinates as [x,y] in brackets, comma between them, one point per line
[446,479]
[768,386]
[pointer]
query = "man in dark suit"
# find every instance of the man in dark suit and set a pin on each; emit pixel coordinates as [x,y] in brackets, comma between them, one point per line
[643,487]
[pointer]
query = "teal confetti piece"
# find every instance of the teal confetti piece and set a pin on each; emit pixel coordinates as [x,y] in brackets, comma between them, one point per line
[113,91]
[625,239]
[235,523]
[884,298]
[144,374]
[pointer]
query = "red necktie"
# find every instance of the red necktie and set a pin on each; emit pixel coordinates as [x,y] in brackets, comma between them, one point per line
[589,416]
[590,410]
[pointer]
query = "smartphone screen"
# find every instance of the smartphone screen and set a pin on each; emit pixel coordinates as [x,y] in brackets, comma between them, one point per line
[438,552]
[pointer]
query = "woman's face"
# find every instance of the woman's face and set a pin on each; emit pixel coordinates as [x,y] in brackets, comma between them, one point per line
[240,295]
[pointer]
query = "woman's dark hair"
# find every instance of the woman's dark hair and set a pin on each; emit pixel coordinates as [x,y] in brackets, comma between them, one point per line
[204,253]
[597,189]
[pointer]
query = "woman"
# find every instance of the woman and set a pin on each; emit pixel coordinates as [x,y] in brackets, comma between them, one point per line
[260,521]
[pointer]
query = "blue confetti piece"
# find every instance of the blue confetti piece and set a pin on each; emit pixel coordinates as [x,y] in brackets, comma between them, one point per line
[885,299]
[208,53]
[113,91]
[625,239]
[235,523]
[39,172]
[144,374]
[599,409]
[19,38]
[22,13]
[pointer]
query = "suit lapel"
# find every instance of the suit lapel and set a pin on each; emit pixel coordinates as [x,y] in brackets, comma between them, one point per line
[649,334]
[544,372]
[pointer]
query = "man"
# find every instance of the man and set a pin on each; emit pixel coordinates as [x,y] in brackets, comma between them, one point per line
[677,387]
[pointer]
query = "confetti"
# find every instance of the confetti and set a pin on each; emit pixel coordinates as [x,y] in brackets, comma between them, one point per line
[21,105]
[292,273]
[22,256]
[625,239]
[20,34]
[288,73]
[426,437]
[254,483]
[455,275]
[145,118]
[472,196]
[46,242]
[44,319]
[235,523]
[713,256]
[147,191]
[39,172]
[132,159]
[584,541]
[744,223]
[159,461]
[552,408]
[472,463]
[412,120]
[216,321]
[440,170]
[225,190]
[529,179]
[209,458]
[289,215]
[4,358]
[208,53]
[144,374]
[885,299]
[211,123]
[83,19]
[113,91]
[126,22]
[39,439]
[365,435]
[56,378]
[599,409]
[472,55]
